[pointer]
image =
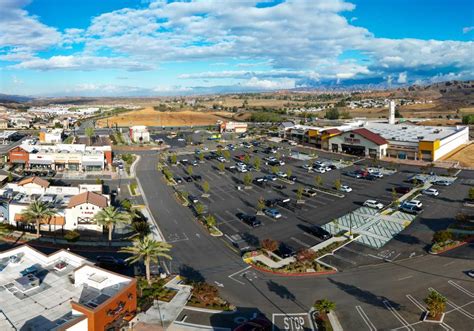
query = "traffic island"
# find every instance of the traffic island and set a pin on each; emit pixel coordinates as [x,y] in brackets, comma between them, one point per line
[439,318]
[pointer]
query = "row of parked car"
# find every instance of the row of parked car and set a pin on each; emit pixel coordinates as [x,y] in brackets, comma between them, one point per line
[319,167]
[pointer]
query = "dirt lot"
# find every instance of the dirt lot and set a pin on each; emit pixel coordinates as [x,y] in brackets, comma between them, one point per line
[464,156]
[150,117]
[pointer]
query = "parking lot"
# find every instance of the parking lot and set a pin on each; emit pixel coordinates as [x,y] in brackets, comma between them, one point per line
[228,197]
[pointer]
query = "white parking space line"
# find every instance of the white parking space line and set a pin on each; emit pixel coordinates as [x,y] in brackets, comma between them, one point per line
[403,278]
[460,288]
[366,318]
[302,243]
[238,272]
[416,302]
[446,327]
[397,315]
[455,306]
[223,221]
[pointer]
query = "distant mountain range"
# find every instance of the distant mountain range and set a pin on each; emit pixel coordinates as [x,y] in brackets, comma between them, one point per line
[6,98]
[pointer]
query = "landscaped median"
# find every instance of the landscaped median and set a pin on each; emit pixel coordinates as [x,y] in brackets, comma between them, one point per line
[304,263]
[445,240]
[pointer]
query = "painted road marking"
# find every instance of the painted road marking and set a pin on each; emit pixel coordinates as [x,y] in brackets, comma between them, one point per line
[397,315]
[403,278]
[416,302]
[238,272]
[366,318]
[444,265]
[176,237]
[296,322]
[460,288]
[455,306]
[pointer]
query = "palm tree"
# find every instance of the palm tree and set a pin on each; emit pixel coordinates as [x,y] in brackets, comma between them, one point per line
[148,250]
[111,216]
[38,211]
[324,305]
[436,304]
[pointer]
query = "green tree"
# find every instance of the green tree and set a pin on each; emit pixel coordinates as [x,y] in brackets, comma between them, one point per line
[247,179]
[173,158]
[211,221]
[324,306]
[247,159]
[436,304]
[199,208]
[189,170]
[332,114]
[337,184]
[394,195]
[10,177]
[318,181]
[38,211]
[289,172]
[471,193]
[441,236]
[257,162]
[141,228]
[147,250]
[110,217]
[126,204]
[221,167]
[226,154]
[205,186]
[260,204]
[90,133]
[275,169]
[299,193]
[201,157]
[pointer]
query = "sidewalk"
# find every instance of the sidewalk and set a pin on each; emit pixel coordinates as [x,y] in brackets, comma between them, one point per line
[164,313]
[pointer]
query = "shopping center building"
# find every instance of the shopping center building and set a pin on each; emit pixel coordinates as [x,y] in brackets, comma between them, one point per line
[379,139]
[60,157]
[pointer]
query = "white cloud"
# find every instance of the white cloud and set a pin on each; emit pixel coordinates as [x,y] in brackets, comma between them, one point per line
[266,84]
[85,63]
[467,29]
[19,29]
[402,78]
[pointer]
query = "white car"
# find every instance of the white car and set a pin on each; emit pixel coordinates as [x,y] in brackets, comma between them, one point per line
[221,159]
[431,191]
[307,167]
[293,143]
[373,204]
[320,170]
[345,188]
[416,203]
[470,273]
[14,259]
[281,174]
[181,139]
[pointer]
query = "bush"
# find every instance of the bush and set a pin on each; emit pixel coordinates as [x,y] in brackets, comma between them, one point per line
[468,119]
[441,236]
[72,236]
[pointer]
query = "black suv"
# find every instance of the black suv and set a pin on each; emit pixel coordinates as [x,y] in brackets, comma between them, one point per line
[285,251]
[319,232]
[249,220]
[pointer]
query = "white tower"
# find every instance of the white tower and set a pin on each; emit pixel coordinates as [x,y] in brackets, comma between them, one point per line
[391,115]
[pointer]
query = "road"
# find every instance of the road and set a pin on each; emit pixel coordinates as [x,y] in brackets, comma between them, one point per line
[374,289]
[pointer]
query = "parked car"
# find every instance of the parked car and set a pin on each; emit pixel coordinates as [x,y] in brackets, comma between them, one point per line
[194,163]
[416,203]
[188,179]
[431,191]
[470,273]
[293,178]
[319,232]
[307,167]
[443,182]
[284,251]
[249,220]
[373,204]
[402,189]
[239,243]
[345,188]
[193,199]
[260,180]
[353,174]
[270,177]
[196,177]
[410,209]
[221,159]
[376,174]
[272,212]
[309,192]
[320,170]
[178,179]
[281,174]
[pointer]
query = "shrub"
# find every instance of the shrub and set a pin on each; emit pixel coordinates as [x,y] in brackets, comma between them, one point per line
[72,236]
[441,236]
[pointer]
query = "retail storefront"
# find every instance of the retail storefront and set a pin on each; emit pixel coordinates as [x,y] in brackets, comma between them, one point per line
[359,142]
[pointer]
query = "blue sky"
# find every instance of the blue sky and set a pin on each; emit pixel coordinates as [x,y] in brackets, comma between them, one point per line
[148,48]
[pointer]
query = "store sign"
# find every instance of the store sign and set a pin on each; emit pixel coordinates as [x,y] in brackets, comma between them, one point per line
[351,140]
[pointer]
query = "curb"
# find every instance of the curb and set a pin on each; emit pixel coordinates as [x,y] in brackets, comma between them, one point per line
[449,248]
[74,247]
[293,274]
[210,311]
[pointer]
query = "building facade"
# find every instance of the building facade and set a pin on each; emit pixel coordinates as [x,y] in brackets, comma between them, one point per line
[139,134]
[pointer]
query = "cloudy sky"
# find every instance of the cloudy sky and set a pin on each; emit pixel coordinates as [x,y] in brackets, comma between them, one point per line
[143,47]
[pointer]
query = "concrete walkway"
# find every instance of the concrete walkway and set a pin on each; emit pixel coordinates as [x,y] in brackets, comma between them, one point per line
[164,313]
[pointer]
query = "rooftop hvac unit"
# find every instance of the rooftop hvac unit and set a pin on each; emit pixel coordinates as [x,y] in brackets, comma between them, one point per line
[420,137]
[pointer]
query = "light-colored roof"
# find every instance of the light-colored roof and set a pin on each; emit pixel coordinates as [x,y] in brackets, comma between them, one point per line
[35,180]
[88,197]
